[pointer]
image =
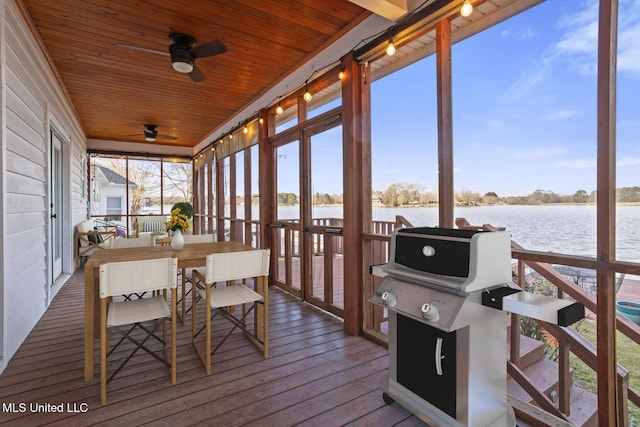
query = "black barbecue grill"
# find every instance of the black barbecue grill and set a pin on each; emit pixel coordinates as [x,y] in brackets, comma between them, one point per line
[446,292]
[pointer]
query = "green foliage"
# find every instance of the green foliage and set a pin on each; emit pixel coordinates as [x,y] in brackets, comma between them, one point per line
[628,194]
[185,208]
[287,199]
[626,355]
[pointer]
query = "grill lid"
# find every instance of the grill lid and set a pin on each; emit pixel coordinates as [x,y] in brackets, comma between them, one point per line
[462,260]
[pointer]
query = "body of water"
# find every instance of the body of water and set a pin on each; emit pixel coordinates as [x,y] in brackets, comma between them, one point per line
[567,229]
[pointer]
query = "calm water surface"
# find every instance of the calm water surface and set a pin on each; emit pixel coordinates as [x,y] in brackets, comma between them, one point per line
[567,229]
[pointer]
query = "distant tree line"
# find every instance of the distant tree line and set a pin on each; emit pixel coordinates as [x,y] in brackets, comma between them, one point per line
[403,194]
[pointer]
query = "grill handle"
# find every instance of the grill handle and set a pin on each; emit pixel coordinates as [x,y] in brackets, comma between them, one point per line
[439,356]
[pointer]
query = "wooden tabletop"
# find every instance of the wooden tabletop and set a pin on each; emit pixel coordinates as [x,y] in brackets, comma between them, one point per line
[192,251]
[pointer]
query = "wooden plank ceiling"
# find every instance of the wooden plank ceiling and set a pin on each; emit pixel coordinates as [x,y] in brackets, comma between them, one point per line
[116,90]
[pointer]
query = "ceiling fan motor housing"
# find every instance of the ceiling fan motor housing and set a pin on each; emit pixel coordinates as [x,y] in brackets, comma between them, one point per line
[181,60]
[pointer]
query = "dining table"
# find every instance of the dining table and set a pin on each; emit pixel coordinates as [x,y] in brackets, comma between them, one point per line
[190,256]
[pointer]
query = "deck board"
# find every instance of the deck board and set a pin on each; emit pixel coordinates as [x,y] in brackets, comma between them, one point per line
[315,375]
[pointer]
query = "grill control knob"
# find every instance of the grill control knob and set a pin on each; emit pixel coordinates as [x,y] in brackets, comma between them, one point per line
[389,299]
[430,312]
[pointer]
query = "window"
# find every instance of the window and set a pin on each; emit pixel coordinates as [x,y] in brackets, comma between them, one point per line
[114,207]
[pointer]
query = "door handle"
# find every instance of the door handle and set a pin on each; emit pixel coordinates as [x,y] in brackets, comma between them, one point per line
[54,216]
[439,356]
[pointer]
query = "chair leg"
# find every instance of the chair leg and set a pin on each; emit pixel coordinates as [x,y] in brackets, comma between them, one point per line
[173,335]
[207,311]
[103,351]
[194,317]
[184,295]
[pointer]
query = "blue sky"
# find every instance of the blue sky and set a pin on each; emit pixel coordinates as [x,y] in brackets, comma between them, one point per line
[524,107]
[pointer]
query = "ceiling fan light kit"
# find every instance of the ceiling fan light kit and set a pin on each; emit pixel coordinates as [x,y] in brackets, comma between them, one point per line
[151,133]
[183,50]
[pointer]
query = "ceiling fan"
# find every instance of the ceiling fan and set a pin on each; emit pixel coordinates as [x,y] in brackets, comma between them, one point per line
[150,133]
[183,50]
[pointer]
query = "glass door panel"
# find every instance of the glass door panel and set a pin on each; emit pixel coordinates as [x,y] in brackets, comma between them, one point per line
[325,230]
[287,235]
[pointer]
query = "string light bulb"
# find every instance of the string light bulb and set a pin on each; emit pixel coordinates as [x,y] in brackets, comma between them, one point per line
[466,9]
[341,74]
[307,95]
[245,129]
[391,49]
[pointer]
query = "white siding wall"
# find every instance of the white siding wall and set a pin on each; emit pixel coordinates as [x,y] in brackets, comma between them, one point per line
[31,101]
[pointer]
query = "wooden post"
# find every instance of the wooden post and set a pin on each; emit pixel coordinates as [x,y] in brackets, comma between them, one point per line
[267,171]
[356,186]
[211,197]
[606,205]
[445,124]
[220,198]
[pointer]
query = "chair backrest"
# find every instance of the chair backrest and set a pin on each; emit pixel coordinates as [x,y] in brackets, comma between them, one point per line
[237,265]
[155,222]
[85,227]
[133,242]
[125,277]
[198,238]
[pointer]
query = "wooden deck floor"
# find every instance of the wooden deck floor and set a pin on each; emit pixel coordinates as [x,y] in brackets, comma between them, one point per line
[315,375]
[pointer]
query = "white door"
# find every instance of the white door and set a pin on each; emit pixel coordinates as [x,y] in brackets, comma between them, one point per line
[56,208]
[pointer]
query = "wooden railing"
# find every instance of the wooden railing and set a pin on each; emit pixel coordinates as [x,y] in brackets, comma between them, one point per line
[376,251]
[568,340]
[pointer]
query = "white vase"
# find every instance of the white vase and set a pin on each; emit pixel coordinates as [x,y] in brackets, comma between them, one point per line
[177,241]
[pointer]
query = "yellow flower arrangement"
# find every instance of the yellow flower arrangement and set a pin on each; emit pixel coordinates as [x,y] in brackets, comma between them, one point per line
[178,221]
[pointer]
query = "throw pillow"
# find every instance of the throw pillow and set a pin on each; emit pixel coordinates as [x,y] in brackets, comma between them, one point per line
[153,226]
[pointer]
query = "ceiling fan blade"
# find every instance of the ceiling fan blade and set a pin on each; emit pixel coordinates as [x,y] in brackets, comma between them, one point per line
[172,138]
[196,75]
[208,49]
[142,49]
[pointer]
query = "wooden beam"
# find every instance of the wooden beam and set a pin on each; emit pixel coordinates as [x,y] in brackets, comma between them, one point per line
[390,9]
[445,124]
[210,197]
[266,183]
[605,222]
[219,190]
[354,127]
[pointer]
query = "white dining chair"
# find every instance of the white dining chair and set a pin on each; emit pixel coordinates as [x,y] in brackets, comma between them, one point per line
[125,317]
[186,274]
[220,293]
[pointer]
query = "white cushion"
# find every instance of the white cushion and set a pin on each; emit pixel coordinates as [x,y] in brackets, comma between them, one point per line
[85,227]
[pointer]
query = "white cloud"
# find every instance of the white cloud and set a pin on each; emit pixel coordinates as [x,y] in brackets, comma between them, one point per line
[579,42]
[525,34]
[539,153]
[629,161]
[558,115]
[629,51]
[496,124]
[529,79]
[577,163]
